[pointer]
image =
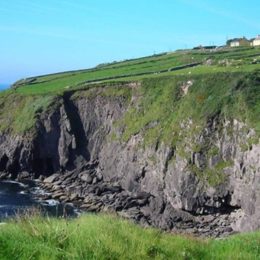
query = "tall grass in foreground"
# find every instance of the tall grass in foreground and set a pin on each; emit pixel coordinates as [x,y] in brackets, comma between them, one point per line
[108,237]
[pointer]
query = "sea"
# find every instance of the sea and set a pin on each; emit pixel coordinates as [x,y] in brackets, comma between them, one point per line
[4,86]
[19,198]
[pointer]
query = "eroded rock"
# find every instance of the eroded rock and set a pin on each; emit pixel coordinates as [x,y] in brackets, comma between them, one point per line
[212,173]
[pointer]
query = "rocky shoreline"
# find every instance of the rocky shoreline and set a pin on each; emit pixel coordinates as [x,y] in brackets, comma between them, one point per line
[25,195]
[86,190]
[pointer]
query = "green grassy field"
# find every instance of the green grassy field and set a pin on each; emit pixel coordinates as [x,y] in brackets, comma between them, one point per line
[220,60]
[108,237]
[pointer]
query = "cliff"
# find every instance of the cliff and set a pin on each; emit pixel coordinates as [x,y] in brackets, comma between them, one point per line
[176,152]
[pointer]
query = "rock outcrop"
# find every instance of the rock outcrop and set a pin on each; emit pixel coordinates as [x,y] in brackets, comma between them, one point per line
[213,189]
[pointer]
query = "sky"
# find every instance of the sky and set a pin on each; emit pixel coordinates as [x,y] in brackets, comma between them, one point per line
[39,37]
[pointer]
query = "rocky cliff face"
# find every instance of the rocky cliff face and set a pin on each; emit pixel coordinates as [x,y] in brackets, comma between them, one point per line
[210,188]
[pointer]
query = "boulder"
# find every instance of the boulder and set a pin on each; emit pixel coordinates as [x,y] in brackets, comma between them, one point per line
[52,178]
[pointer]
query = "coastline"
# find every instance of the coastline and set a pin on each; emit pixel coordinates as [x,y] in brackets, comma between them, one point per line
[75,192]
[24,196]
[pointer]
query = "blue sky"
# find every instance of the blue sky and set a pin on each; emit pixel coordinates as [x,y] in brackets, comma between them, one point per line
[39,37]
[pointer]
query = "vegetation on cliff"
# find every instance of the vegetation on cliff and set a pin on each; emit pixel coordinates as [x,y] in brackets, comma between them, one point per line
[18,112]
[107,237]
[170,98]
[163,101]
[222,81]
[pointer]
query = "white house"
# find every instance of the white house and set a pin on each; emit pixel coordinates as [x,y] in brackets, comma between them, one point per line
[235,43]
[256,41]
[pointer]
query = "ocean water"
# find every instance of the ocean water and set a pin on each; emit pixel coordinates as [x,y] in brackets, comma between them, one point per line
[4,86]
[14,197]
[19,197]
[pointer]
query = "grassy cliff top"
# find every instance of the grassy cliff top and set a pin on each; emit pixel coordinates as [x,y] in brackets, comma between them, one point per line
[186,62]
[175,86]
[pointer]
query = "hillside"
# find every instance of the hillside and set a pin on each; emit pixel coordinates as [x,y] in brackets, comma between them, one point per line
[170,140]
[165,64]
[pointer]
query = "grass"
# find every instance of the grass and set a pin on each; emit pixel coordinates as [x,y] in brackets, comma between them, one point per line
[161,104]
[236,59]
[108,237]
[213,89]
[18,113]
[162,107]
[212,176]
